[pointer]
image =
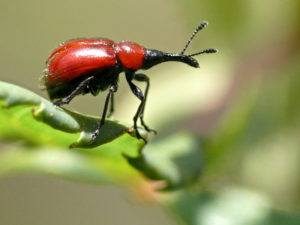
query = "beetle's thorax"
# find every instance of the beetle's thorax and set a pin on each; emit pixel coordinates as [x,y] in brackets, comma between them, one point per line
[130,55]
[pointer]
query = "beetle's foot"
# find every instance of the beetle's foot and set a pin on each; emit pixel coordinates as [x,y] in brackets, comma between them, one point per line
[95,134]
[139,136]
[147,128]
[58,103]
[61,102]
[150,130]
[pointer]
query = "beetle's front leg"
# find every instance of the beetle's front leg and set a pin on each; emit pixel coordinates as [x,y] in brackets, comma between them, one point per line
[139,94]
[144,78]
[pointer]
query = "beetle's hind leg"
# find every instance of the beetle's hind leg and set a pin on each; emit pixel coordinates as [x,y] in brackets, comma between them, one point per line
[144,78]
[66,100]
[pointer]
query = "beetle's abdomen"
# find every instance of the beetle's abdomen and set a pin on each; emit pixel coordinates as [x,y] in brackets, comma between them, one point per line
[77,58]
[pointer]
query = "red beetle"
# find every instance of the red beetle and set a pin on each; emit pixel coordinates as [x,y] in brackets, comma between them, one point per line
[91,65]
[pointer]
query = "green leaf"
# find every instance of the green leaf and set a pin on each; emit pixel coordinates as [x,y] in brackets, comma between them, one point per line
[16,121]
[102,164]
[176,159]
[36,136]
[68,164]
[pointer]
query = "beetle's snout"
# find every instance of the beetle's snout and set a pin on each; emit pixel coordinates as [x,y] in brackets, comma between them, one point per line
[190,61]
[154,57]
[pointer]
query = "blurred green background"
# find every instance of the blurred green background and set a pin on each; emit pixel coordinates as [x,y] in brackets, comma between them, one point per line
[243,104]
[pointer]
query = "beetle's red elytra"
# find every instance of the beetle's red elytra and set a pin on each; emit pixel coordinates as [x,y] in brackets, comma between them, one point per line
[91,65]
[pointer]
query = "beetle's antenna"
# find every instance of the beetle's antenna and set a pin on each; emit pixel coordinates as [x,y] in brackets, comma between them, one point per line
[201,25]
[205,51]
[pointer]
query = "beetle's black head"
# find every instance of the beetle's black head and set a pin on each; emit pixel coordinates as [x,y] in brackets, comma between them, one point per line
[153,57]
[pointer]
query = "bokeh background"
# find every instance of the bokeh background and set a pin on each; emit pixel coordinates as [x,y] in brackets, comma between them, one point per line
[243,103]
